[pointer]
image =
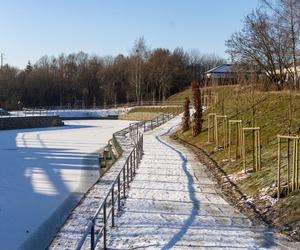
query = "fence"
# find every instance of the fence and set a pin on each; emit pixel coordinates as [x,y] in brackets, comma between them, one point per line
[27,112]
[105,214]
[110,106]
[52,110]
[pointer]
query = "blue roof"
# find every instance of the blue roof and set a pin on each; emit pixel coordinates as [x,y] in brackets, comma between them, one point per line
[223,68]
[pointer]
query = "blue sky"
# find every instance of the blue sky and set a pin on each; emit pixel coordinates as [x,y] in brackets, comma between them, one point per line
[33,28]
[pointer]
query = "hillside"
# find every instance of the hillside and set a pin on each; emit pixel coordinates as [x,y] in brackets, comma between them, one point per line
[145,113]
[270,112]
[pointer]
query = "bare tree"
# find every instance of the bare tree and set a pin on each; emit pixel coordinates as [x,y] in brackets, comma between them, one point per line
[263,42]
[287,13]
[139,53]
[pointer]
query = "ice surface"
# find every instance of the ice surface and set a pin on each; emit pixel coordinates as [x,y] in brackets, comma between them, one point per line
[43,174]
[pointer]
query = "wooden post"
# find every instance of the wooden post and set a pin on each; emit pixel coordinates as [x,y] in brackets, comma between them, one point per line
[211,127]
[288,174]
[244,151]
[293,165]
[224,126]
[278,167]
[292,178]
[259,150]
[255,151]
[256,148]
[238,124]
[297,165]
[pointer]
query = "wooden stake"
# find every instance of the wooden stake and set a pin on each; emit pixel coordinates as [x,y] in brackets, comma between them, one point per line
[292,177]
[259,150]
[256,148]
[278,167]
[255,152]
[288,172]
[293,165]
[244,151]
[224,126]
[238,124]
[211,127]
[297,164]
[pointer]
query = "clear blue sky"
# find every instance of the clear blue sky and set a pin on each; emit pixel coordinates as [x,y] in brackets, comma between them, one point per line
[33,28]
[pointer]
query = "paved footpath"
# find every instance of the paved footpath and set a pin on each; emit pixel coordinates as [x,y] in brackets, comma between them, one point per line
[172,204]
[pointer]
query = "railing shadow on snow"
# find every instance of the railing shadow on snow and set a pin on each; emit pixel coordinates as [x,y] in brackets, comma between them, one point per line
[105,214]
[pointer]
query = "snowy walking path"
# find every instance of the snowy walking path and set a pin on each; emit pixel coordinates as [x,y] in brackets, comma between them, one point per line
[173,204]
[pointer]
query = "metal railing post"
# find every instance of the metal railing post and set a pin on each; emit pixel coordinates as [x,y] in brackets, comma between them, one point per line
[119,198]
[142,145]
[124,183]
[93,236]
[104,225]
[137,132]
[127,166]
[112,207]
[135,157]
[131,166]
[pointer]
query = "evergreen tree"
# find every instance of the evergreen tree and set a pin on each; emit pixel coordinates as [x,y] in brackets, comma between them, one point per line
[197,117]
[186,115]
[28,67]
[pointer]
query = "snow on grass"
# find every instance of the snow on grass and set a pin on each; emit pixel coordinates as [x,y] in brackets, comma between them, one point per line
[172,204]
[43,174]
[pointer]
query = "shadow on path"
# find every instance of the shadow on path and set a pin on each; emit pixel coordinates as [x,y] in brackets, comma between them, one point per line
[192,194]
[267,239]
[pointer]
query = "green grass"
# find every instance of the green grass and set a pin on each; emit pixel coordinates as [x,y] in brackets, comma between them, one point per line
[149,112]
[156,109]
[271,115]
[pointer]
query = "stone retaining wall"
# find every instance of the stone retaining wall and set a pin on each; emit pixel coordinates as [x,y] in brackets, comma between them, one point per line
[30,122]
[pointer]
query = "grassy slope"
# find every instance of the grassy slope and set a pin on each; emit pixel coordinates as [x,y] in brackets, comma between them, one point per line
[148,112]
[271,115]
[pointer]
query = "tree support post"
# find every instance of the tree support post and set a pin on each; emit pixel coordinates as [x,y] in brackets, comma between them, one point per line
[256,147]
[238,124]
[211,127]
[292,168]
[223,119]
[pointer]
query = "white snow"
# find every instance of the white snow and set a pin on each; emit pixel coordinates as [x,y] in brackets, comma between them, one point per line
[43,174]
[172,204]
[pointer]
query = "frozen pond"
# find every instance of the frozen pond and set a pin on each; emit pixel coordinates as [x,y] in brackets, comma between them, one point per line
[43,173]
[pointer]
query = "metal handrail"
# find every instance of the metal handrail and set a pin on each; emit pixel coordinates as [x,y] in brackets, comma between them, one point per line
[111,106]
[124,177]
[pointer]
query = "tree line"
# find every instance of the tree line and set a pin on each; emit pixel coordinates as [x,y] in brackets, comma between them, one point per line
[82,80]
[269,43]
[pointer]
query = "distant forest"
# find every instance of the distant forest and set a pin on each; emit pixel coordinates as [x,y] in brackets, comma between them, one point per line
[82,80]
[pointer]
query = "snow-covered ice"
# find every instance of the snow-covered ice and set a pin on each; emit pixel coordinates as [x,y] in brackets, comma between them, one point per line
[43,174]
[72,113]
[172,204]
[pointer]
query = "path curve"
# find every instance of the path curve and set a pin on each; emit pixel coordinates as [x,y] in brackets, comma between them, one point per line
[173,204]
